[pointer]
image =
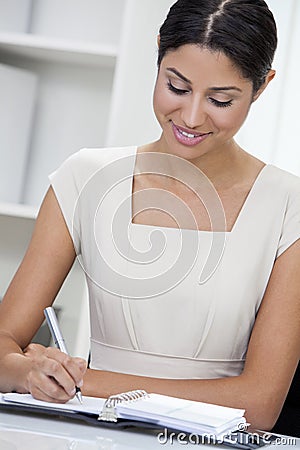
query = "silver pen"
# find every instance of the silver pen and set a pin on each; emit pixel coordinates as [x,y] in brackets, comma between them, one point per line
[58,338]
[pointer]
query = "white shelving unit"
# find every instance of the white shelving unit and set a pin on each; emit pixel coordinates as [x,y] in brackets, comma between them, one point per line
[17,210]
[72,49]
[55,50]
[95,62]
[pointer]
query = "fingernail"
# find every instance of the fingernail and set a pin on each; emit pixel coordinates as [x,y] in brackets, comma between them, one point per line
[73,392]
[80,384]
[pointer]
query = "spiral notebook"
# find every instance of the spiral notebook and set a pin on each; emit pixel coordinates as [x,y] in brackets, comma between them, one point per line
[140,408]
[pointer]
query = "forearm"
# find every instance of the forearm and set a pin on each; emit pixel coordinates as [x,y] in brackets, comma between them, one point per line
[14,366]
[241,391]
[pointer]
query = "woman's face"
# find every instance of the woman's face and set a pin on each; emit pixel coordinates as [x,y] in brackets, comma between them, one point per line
[200,100]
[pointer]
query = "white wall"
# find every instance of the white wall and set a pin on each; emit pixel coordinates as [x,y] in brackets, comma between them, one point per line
[271,130]
[132,120]
[87,20]
[286,150]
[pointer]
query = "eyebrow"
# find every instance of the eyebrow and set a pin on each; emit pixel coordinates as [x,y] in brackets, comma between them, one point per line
[214,88]
[225,88]
[178,74]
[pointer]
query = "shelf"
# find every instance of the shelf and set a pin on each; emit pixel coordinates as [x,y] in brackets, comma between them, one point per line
[18,210]
[58,50]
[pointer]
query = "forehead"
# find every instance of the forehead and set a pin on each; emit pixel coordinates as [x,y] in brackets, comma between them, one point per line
[195,63]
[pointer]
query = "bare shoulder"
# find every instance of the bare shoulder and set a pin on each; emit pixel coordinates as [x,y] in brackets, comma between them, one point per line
[51,242]
[279,314]
[274,350]
[50,218]
[47,261]
[282,297]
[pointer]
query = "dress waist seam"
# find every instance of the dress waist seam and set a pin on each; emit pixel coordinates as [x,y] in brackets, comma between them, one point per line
[163,355]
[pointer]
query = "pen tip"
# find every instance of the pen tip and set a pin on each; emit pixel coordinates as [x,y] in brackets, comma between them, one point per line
[79,395]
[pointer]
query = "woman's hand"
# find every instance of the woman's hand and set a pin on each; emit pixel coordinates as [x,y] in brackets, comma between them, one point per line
[53,375]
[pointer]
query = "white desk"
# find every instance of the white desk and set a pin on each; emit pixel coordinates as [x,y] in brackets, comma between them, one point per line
[19,431]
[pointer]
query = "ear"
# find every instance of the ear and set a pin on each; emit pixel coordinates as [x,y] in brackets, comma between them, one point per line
[271,74]
[158,40]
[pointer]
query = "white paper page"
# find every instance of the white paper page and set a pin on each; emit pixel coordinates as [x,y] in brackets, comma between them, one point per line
[161,405]
[89,404]
[189,415]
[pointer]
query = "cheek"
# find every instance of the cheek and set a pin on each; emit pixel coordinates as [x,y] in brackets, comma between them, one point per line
[230,119]
[163,101]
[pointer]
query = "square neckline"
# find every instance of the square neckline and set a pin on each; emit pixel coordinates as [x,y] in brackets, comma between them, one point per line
[241,213]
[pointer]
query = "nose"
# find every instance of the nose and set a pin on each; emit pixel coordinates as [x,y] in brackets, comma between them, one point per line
[193,113]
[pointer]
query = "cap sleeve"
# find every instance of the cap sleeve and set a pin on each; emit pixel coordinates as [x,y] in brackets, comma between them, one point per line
[64,182]
[291,223]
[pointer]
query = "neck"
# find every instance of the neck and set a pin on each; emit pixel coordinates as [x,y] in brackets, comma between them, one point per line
[222,166]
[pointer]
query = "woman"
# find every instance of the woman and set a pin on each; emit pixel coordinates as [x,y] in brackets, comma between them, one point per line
[209,309]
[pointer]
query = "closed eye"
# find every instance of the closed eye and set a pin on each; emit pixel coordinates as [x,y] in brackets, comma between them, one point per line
[176,90]
[220,104]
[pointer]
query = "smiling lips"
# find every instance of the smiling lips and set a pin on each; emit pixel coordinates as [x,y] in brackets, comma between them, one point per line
[185,137]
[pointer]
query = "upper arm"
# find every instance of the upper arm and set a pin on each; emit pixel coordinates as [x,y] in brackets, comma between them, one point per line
[46,263]
[274,348]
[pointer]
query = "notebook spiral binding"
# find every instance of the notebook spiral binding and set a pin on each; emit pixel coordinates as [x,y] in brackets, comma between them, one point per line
[108,413]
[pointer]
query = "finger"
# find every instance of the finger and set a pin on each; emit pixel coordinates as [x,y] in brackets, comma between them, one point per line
[82,365]
[76,367]
[56,369]
[53,368]
[46,389]
[34,349]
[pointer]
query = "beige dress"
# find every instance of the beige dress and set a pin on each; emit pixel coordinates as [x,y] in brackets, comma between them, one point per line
[169,302]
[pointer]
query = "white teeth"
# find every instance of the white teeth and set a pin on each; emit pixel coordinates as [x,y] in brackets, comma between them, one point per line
[189,135]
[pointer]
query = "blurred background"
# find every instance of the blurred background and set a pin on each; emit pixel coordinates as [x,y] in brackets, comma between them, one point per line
[80,73]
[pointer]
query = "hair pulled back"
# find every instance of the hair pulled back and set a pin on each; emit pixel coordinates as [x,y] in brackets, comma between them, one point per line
[244,30]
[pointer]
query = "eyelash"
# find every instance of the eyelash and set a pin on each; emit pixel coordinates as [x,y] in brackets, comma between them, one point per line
[175,90]
[220,104]
[185,91]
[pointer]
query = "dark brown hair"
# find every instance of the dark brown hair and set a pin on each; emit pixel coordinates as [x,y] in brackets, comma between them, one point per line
[244,30]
